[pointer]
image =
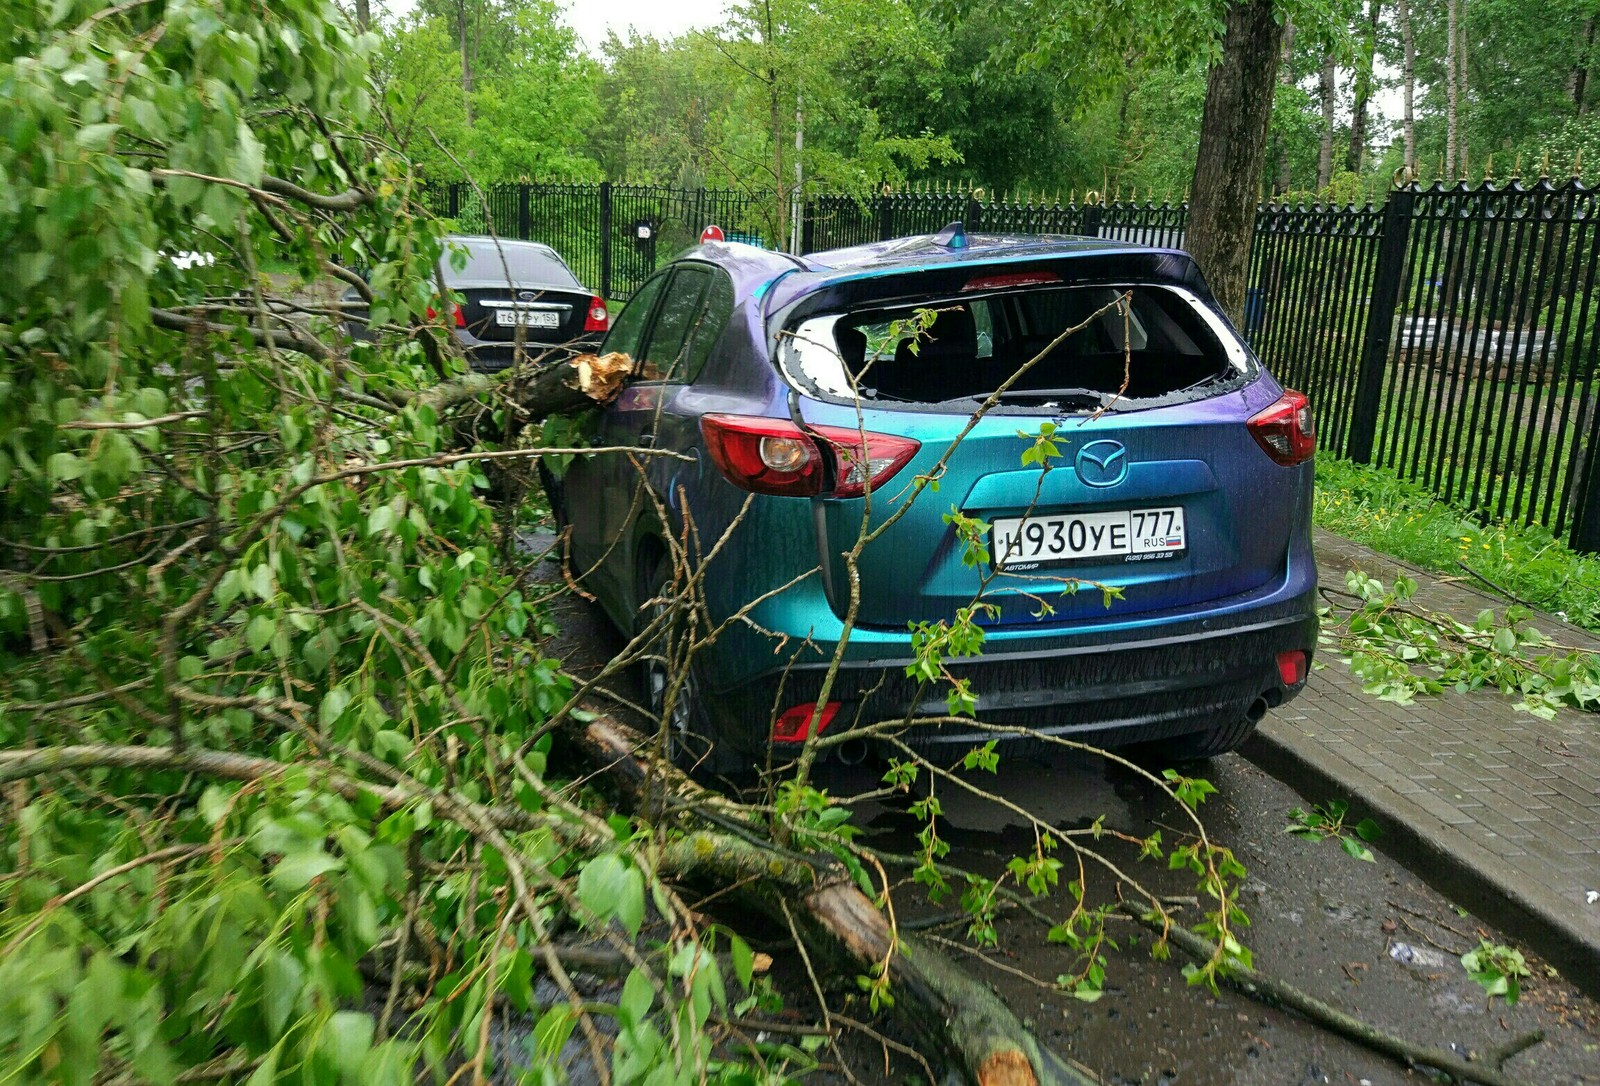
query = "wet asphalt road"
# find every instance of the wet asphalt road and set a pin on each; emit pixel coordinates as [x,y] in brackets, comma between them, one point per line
[1370,938]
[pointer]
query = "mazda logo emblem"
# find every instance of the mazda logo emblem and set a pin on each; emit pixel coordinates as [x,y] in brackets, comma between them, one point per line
[1102,463]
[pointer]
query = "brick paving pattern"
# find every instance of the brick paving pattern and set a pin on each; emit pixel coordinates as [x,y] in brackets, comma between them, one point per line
[1498,808]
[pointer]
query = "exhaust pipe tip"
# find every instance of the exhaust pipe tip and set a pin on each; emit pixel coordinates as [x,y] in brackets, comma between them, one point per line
[852,752]
[1257,710]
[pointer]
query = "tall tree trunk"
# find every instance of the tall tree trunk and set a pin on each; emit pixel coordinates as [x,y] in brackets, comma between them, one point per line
[466,60]
[364,14]
[1578,81]
[1408,76]
[1285,78]
[1325,153]
[1363,89]
[780,213]
[1451,89]
[1233,151]
[1461,80]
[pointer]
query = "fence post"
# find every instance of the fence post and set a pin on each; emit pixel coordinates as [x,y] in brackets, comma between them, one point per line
[1092,215]
[453,201]
[974,219]
[808,227]
[1586,514]
[605,240]
[524,217]
[885,217]
[1380,323]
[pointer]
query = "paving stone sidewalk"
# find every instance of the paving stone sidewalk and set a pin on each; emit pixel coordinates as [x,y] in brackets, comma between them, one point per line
[1497,809]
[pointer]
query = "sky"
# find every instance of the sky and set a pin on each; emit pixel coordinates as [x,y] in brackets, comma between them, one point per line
[661,18]
[593,18]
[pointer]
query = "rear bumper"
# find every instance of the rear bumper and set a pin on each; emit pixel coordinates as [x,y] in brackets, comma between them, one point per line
[1185,679]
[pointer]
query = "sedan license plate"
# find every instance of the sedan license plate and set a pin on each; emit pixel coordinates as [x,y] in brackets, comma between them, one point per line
[528,318]
[1131,534]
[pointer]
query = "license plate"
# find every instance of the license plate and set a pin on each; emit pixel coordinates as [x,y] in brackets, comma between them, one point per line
[528,318]
[1130,534]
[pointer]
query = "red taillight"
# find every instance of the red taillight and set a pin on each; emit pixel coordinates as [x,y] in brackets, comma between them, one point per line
[768,456]
[774,456]
[792,724]
[885,454]
[1285,430]
[1014,279]
[598,318]
[1292,667]
[461,318]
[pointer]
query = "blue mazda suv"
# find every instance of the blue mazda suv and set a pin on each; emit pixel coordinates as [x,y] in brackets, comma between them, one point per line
[1058,447]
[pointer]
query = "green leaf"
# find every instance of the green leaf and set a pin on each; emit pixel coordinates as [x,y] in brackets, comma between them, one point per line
[346,1039]
[609,887]
[744,960]
[550,1033]
[258,633]
[299,868]
[64,467]
[282,979]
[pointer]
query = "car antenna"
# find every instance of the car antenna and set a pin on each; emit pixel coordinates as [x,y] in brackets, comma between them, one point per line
[953,236]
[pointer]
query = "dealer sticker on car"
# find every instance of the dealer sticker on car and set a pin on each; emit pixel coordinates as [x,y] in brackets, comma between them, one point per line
[1134,535]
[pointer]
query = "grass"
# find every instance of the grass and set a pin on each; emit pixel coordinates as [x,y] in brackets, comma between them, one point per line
[1376,508]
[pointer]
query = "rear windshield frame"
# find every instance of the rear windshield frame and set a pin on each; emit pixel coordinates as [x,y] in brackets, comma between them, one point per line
[1241,368]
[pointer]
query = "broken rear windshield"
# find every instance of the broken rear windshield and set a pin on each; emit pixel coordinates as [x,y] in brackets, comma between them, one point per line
[1130,343]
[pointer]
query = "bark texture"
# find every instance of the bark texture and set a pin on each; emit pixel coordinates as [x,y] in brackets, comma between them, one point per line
[1328,92]
[1362,95]
[1408,80]
[1578,80]
[1233,151]
[1286,79]
[1452,126]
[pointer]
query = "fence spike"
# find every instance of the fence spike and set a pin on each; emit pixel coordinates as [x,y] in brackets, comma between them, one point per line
[1544,166]
[1072,197]
[1516,168]
[1488,169]
[1577,164]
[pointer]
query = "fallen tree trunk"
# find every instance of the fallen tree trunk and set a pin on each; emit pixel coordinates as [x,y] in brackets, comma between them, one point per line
[948,1011]
[539,388]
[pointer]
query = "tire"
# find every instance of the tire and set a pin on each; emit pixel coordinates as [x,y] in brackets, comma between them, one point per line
[690,735]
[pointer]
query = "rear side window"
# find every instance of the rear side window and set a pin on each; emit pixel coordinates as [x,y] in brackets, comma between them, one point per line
[1067,347]
[709,326]
[627,331]
[664,354]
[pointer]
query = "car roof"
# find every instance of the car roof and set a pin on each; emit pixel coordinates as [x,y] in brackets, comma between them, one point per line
[488,242]
[759,271]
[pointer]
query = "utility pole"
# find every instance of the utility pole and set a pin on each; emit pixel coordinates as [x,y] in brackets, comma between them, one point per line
[797,201]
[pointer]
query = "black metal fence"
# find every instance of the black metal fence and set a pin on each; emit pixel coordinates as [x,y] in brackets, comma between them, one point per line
[1449,335]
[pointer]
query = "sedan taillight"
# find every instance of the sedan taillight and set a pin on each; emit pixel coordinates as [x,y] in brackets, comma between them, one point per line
[461,318]
[774,456]
[1285,430]
[597,319]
